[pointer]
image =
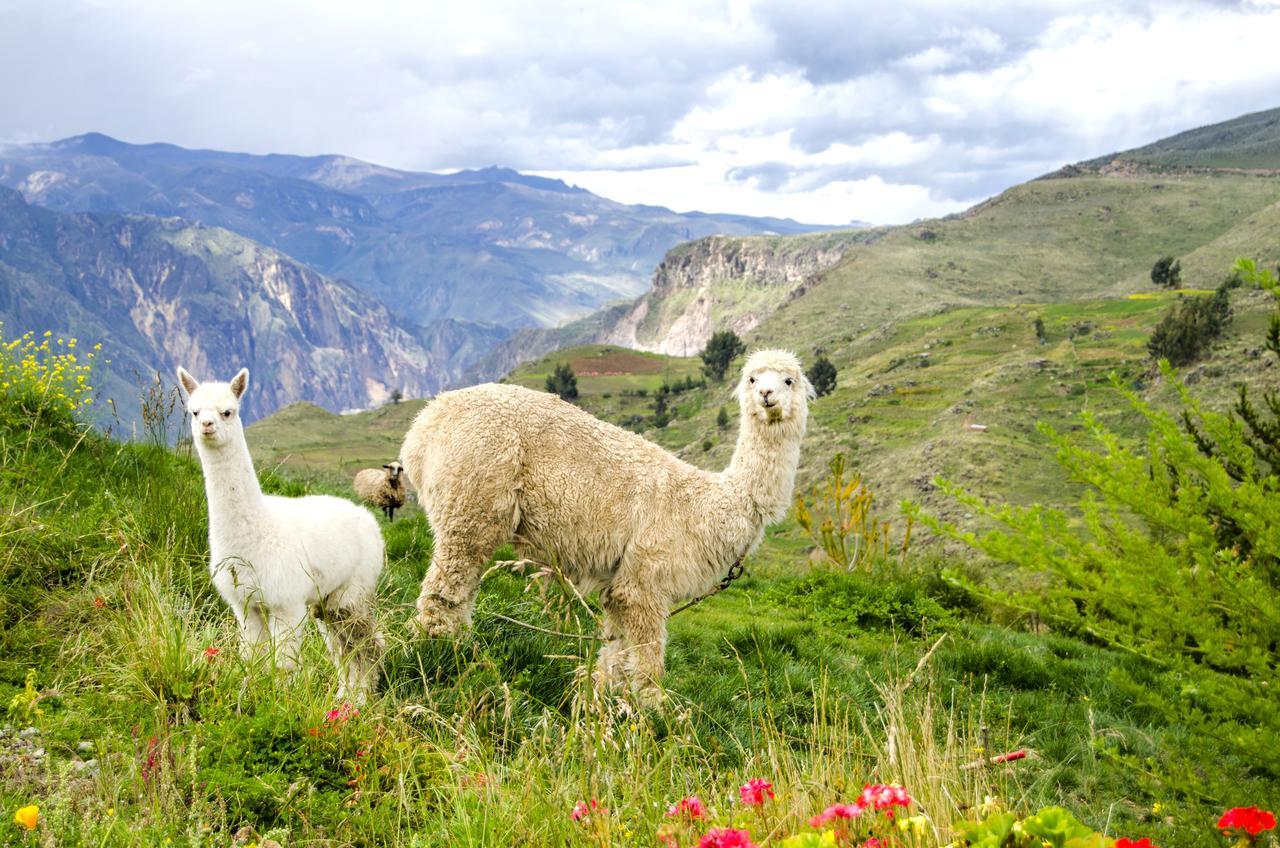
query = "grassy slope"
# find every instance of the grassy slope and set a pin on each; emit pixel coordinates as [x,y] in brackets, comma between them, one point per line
[488,739]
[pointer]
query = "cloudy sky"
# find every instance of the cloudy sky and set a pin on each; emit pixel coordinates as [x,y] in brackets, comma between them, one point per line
[882,112]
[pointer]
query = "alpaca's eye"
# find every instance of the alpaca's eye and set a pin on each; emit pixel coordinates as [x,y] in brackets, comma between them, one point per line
[751,380]
[788,381]
[226,413]
[195,413]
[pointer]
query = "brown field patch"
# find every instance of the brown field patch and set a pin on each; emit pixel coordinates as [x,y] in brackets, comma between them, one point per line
[615,362]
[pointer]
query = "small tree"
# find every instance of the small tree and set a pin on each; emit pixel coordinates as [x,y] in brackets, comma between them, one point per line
[1167,272]
[822,376]
[563,382]
[397,395]
[1188,328]
[722,418]
[661,415]
[1041,336]
[722,348]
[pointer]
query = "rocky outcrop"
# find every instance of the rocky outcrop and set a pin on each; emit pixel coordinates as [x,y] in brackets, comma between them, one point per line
[721,283]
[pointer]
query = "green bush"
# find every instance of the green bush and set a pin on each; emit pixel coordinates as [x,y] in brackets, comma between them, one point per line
[722,348]
[1175,558]
[1189,327]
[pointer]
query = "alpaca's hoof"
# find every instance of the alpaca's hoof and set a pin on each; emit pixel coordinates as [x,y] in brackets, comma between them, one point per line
[429,624]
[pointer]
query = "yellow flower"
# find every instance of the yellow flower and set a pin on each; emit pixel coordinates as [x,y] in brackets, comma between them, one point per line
[1157,807]
[28,817]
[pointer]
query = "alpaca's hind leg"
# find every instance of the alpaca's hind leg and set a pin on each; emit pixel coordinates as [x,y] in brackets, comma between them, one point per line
[350,629]
[461,550]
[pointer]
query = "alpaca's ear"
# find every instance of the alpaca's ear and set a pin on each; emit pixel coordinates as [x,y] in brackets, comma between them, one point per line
[809,391]
[240,382]
[187,382]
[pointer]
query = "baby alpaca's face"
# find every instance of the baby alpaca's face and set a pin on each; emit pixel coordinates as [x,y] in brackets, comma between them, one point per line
[214,408]
[773,388]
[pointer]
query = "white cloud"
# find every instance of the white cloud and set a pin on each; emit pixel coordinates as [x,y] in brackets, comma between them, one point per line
[824,112]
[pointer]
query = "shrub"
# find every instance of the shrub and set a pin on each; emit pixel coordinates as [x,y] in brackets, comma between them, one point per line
[563,382]
[722,348]
[822,376]
[722,418]
[1188,328]
[1167,272]
[44,381]
[838,516]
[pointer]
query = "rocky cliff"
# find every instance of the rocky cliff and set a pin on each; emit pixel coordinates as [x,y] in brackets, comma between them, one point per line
[721,283]
[162,292]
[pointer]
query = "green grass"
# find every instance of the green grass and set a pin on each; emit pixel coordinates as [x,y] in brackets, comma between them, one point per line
[490,738]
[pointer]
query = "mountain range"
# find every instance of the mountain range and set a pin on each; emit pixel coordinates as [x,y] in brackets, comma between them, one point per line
[442,265]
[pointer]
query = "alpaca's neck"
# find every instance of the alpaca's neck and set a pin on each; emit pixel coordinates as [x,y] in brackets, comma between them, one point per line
[762,472]
[231,486]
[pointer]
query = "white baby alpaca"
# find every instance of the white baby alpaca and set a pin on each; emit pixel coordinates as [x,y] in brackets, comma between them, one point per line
[275,560]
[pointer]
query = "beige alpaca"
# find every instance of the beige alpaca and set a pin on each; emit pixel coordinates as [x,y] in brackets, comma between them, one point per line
[496,463]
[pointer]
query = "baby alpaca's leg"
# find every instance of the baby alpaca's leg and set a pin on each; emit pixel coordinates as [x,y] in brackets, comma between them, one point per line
[355,644]
[285,625]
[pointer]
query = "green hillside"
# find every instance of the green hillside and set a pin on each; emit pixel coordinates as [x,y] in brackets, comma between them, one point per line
[133,720]
[307,440]
[1250,141]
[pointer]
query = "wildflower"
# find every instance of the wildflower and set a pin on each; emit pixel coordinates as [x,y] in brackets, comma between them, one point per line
[28,816]
[753,792]
[884,797]
[1250,820]
[726,837]
[211,654]
[873,843]
[691,808]
[99,603]
[836,811]
[916,824]
[1144,842]
[583,809]
[1157,807]
[340,715]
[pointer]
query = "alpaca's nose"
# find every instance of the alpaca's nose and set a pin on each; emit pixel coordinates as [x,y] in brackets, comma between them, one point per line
[766,394]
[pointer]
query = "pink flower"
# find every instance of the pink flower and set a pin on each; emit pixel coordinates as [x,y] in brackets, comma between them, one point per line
[726,837]
[753,792]
[211,654]
[884,797]
[1250,820]
[341,714]
[836,811]
[873,843]
[586,808]
[1144,842]
[691,808]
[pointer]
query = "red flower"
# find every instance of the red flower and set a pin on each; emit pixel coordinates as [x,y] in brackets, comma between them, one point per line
[883,797]
[726,837]
[1125,842]
[586,808]
[691,808]
[753,792]
[836,811]
[873,843]
[1250,820]
[99,603]
[212,654]
[341,714]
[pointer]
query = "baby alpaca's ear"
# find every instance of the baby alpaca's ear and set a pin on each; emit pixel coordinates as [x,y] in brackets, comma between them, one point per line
[240,382]
[187,382]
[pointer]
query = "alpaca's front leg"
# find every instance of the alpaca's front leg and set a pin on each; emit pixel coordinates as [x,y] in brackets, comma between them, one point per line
[285,624]
[252,620]
[636,639]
